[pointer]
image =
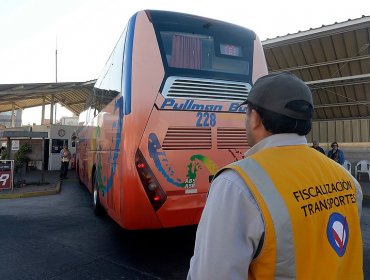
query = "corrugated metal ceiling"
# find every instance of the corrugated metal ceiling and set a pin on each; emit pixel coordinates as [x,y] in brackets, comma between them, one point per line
[334,61]
[71,95]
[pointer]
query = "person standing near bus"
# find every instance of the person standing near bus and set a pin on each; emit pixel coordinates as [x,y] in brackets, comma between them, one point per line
[65,157]
[285,211]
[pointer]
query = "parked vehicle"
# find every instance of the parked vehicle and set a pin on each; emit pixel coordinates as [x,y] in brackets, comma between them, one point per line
[165,116]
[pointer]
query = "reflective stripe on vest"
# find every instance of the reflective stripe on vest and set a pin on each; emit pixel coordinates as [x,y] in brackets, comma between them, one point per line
[278,211]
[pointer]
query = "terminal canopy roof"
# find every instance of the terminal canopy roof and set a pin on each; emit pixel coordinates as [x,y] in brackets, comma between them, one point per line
[334,60]
[71,95]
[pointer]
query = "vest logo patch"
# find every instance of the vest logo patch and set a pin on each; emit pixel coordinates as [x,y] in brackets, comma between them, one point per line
[337,232]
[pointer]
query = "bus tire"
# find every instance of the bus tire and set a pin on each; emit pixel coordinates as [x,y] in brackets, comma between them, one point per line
[97,207]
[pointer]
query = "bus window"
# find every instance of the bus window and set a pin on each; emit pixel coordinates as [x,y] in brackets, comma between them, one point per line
[192,51]
[112,81]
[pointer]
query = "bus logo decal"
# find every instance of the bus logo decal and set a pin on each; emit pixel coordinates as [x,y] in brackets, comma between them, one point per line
[192,105]
[160,159]
[161,162]
[189,105]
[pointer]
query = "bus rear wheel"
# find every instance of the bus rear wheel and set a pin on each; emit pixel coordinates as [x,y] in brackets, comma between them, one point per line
[97,207]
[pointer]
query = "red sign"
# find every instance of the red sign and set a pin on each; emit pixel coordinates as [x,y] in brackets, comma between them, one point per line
[5,180]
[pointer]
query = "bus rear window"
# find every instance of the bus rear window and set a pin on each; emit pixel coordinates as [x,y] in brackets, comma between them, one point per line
[202,52]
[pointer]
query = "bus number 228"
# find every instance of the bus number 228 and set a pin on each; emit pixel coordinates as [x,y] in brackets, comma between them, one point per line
[206,119]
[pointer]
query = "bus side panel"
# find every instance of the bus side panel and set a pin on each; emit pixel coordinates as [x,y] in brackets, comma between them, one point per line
[86,155]
[106,163]
[147,75]
[81,155]
[91,154]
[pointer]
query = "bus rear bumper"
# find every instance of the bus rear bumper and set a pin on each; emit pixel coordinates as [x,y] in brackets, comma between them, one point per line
[182,210]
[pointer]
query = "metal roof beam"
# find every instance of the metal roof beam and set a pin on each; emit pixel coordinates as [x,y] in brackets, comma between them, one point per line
[340,79]
[354,103]
[349,83]
[319,32]
[10,103]
[76,103]
[18,106]
[345,60]
[12,98]
[341,119]
[26,89]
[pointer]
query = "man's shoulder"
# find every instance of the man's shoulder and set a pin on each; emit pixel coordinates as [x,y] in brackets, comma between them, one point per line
[231,171]
[229,178]
[226,173]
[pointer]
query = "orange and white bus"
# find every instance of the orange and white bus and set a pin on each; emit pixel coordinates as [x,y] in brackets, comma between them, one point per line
[164,117]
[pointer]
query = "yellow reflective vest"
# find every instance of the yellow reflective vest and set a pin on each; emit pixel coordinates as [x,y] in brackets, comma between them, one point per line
[309,207]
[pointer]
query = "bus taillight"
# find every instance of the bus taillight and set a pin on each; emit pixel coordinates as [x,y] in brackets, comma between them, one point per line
[152,188]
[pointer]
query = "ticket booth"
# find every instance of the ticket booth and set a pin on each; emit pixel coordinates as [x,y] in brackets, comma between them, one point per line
[46,140]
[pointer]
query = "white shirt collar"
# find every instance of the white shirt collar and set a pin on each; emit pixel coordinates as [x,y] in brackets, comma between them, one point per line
[275,140]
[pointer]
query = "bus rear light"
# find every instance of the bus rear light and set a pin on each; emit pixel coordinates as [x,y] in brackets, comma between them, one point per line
[151,186]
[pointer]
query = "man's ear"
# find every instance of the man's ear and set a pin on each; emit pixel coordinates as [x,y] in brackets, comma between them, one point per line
[256,120]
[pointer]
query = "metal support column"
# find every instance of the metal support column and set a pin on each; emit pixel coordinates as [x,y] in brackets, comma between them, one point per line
[12,117]
[43,111]
[42,161]
[52,109]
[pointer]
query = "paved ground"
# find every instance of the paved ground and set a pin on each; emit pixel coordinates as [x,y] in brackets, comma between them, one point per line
[34,188]
[35,184]
[58,237]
